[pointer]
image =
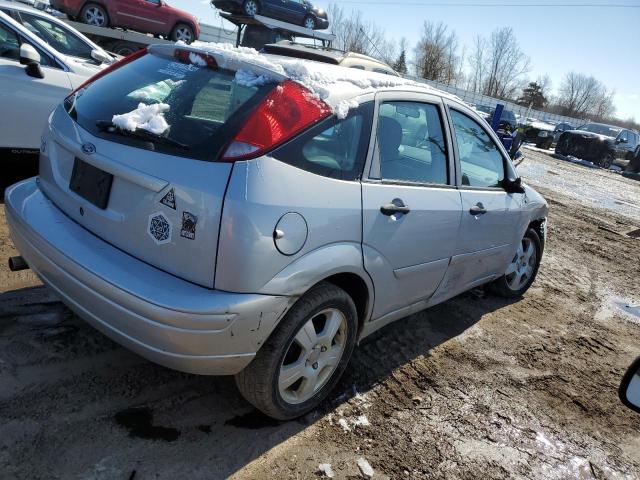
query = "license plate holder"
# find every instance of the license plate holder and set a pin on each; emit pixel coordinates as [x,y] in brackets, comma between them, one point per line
[91,183]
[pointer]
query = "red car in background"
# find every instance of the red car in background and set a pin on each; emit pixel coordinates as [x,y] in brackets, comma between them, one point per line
[147,16]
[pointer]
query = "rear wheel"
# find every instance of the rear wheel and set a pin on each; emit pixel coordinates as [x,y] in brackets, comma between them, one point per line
[522,270]
[251,7]
[182,33]
[309,22]
[304,357]
[124,48]
[93,14]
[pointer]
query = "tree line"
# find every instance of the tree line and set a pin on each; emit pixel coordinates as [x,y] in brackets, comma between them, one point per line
[493,65]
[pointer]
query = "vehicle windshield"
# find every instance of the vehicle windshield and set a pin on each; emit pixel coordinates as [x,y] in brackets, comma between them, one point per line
[600,129]
[61,39]
[189,109]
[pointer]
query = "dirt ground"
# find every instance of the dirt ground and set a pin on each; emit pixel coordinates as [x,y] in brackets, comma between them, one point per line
[477,387]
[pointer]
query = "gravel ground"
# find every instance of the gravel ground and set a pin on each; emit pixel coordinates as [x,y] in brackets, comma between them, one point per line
[477,387]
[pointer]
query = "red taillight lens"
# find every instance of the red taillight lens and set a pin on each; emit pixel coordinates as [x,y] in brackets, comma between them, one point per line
[111,68]
[286,111]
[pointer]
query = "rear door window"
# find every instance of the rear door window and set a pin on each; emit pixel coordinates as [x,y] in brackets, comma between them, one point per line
[200,105]
[63,40]
[481,162]
[335,148]
[411,143]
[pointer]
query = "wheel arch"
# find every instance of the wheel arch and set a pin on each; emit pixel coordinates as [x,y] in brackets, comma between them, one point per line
[99,3]
[539,227]
[189,24]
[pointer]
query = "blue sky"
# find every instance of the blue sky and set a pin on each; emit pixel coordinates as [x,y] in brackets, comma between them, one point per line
[599,41]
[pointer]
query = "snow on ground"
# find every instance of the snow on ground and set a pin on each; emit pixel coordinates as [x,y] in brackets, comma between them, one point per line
[594,187]
[145,117]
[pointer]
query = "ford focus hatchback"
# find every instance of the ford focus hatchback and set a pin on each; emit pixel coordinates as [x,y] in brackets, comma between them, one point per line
[224,212]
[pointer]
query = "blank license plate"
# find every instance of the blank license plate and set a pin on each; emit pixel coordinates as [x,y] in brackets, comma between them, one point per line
[91,183]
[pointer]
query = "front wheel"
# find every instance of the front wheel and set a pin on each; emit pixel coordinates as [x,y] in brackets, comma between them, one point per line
[522,270]
[305,356]
[607,161]
[183,33]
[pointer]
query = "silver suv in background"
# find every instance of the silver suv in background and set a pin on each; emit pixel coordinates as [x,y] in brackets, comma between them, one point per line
[224,212]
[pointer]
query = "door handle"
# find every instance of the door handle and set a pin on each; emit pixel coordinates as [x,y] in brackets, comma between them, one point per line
[478,209]
[397,206]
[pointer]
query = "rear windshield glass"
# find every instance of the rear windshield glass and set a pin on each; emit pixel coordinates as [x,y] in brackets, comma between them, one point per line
[202,107]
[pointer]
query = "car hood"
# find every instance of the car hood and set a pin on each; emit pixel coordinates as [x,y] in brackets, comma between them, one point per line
[542,126]
[83,67]
[584,134]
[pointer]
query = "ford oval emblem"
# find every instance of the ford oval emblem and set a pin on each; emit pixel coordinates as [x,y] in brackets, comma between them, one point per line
[89,148]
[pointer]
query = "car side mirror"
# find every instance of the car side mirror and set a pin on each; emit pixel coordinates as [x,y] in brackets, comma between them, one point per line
[101,56]
[31,58]
[513,186]
[629,391]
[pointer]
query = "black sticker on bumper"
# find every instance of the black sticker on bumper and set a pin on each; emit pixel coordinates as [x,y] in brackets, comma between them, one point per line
[189,222]
[169,199]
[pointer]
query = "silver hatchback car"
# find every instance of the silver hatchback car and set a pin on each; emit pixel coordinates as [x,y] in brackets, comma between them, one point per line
[224,212]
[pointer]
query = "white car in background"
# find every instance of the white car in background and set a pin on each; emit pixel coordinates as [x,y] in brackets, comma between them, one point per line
[35,77]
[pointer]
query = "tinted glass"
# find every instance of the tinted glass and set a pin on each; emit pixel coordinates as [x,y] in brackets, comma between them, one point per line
[481,162]
[59,38]
[335,148]
[601,129]
[411,143]
[201,105]
[9,44]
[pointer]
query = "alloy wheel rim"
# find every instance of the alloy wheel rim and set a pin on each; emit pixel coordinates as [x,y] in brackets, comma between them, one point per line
[313,356]
[251,8]
[521,268]
[183,34]
[309,23]
[94,17]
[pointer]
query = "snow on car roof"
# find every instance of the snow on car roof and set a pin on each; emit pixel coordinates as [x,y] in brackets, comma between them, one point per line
[336,85]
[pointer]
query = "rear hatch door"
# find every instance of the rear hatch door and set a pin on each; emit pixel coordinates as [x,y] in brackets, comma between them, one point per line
[147,180]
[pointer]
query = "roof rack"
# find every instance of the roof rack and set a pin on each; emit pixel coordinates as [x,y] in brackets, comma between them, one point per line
[241,21]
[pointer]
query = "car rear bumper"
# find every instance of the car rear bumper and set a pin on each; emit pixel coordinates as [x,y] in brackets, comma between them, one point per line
[162,318]
[322,23]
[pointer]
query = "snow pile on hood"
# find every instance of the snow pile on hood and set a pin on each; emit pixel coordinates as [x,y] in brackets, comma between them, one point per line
[542,126]
[254,68]
[145,117]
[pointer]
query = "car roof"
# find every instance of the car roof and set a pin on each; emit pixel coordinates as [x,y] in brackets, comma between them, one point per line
[332,83]
[324,54]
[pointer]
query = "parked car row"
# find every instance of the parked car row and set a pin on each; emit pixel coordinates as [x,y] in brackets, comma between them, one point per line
[165,174]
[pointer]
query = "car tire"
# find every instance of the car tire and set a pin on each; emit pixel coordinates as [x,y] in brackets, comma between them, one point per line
[123,48]
[607,161]
[309,22]
[94,14]
[304,343]
[523,268]
[251,8]
[183,32]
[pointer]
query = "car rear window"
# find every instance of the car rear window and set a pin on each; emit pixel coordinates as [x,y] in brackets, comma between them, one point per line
[203,106]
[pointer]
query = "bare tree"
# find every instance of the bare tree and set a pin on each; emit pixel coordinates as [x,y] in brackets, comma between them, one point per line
[436,54]
[477,65]
[582,95]
[507,64]
[353,34]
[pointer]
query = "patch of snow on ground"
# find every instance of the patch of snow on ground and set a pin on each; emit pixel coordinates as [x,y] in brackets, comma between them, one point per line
[365,468]
[361,421]
[325,468]
[145,117]
[345,426]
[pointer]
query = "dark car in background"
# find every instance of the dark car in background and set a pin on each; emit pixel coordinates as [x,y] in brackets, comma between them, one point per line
[546,138]
[600,144]
[299,12]
[508,118]
[329,55]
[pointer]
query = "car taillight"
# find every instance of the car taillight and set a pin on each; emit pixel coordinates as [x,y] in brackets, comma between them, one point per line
[114,66]
[286,111]
[195,58]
